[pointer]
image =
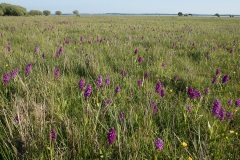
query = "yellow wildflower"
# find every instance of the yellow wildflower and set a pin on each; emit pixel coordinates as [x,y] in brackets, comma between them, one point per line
[231,131]
[6,65]
[189,158]
[184,144]
[171,90]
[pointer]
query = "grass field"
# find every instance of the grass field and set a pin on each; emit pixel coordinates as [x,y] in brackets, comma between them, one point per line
[119,87]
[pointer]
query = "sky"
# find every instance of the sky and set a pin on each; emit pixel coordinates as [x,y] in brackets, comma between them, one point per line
[132,6]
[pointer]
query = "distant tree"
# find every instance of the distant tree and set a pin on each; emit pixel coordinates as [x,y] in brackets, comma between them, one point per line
[231,16]
[76,12]
[12,10]
[58,13]
[218,15]
[180,14]
[46,12]
[35,13]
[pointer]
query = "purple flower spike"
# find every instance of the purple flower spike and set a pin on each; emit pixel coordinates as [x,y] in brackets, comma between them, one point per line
[225,79]
[121,116]
[222,114]
[163,64]
[56,72]
[14,73]
[229,115]
[112,135]
[140,83]
[189,108]
[81,84]
[107,102]
[162,93]
[155,107]
[191,93]
[88,91]
[99,81]
[237,103]
[216,107]
[136,51]
[53,135]
[28,68]
[117,90]
[158,87]
[146,76]
[207,91]
[140,59]
[215,80]
[159,144]
[107,81]
[198,94]
[6,78]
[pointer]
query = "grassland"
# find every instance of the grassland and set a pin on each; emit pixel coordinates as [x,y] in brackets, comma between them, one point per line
[178,52]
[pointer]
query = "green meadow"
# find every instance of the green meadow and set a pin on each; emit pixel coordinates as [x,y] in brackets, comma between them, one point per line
[148,78]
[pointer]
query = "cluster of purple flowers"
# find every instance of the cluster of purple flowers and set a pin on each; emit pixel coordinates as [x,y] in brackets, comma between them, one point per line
[194,93]
[159,89]
[56,72]
[9,45]
[99,82]
[220,112]
[88,91]
[225,79]
[117,90]
[146,76]
[136,51]
[58,53]
[81,84]
[53,135]
[140,59]
[237,103]
[8,76]
[140,83]
[159,144]
[28,69]
[111,135]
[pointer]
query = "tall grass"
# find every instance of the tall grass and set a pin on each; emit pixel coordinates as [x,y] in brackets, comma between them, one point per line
[179,52]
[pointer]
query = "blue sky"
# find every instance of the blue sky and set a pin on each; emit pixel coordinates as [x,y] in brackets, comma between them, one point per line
[133,6]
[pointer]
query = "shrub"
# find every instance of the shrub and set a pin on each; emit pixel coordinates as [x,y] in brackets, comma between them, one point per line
[218,15]
[58,13]
[76,12]
[46,12]
[180,14]
[12,10]
[35,13]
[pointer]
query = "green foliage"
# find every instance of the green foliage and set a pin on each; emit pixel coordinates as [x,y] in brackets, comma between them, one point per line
[12,10]
[46,12]
[33,104]
[180,14]
[58,13]
[218,15]
[35,13]
[76,12]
